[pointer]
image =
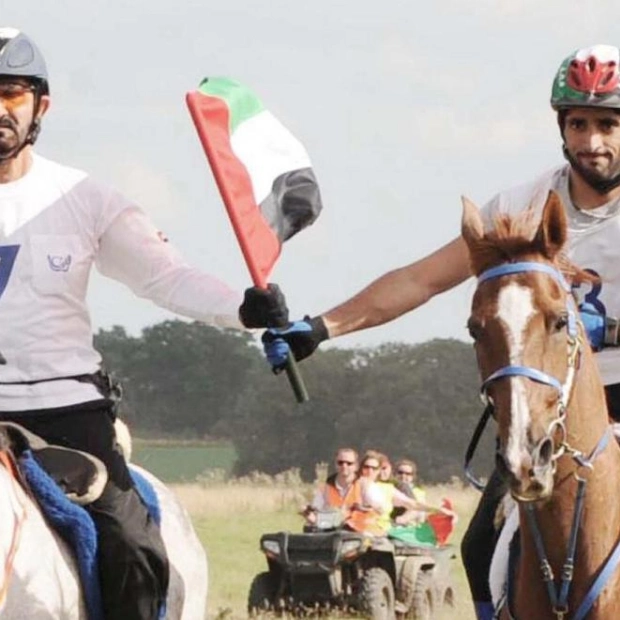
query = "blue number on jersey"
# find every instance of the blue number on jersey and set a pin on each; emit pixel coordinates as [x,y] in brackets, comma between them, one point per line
[592,296]
[7,260]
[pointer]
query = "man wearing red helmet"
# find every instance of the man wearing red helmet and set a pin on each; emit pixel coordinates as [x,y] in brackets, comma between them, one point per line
[56,222]
[586,96]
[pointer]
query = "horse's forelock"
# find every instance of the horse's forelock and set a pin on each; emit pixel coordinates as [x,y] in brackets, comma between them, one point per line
[511,238]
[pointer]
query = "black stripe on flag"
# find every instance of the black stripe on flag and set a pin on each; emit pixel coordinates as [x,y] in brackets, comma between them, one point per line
[294,203]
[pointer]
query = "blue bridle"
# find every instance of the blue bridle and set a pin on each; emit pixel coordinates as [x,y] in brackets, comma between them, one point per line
[534,374]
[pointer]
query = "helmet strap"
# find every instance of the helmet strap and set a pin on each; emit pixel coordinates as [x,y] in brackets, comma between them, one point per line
[601,186]
[35,126]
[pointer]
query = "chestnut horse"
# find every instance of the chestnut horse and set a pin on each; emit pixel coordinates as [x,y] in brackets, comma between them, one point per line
[556,450]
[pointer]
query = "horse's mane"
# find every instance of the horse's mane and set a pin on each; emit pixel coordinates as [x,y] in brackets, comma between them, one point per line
[514,238]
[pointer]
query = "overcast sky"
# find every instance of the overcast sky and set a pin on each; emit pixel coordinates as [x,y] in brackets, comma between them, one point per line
[402,105]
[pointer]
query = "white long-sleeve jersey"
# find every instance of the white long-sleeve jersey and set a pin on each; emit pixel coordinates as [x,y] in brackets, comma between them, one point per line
[55,222]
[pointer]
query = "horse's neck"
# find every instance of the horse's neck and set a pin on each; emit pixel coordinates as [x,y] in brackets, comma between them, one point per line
[586,424]
[587,418]
[587,430]
[6,516]
[9,523]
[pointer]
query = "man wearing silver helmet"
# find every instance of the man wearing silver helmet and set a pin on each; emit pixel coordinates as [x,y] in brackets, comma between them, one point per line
[56,222]
[586,98]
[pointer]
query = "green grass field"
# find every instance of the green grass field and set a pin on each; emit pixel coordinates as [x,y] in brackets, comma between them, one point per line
[173,461]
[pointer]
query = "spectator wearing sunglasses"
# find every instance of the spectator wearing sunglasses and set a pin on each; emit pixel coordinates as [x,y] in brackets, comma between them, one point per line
[406,475]
[379,498]
[341,489]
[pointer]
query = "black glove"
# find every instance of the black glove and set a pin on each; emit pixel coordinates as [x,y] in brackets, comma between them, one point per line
[301,337]
[264,307]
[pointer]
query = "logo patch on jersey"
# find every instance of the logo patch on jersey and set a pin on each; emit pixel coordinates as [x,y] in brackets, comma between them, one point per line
[59,263]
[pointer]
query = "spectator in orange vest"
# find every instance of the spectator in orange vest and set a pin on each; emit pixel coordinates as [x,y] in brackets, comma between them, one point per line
[340,491]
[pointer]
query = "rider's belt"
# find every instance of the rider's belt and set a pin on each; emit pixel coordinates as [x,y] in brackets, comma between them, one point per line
[612,332]
[105,384]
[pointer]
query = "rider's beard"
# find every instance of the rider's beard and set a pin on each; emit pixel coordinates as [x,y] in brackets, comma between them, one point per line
[9,136]
[600,179]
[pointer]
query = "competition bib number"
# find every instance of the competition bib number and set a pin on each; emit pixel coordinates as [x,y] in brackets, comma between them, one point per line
[7,260]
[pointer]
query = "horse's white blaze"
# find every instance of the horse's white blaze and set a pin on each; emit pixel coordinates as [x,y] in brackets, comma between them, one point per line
[515,308]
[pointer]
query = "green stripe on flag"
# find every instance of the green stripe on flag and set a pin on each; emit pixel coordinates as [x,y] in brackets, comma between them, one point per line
[242,103]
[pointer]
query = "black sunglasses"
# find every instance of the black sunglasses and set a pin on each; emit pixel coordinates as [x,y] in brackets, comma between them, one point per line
[345,462]
[404,473]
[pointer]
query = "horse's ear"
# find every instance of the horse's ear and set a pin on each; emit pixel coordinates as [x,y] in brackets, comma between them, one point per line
[472,227]
[551,234]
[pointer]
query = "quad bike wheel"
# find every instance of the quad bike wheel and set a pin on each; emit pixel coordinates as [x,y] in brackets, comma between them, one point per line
[261,598]
[423,604]
[376,597]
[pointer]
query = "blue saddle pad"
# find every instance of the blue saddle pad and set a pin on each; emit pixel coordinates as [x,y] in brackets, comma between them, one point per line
[76,526]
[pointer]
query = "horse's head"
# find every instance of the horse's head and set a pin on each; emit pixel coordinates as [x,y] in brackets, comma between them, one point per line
[523,322]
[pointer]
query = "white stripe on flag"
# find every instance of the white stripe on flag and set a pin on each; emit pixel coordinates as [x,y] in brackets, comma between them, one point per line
[267,150]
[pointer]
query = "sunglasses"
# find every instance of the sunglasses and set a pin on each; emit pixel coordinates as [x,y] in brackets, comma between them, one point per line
[345,462]
[402,472]
[370,467]
[14,93]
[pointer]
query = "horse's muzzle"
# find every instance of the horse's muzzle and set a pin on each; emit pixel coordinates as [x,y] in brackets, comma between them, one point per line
[530,480]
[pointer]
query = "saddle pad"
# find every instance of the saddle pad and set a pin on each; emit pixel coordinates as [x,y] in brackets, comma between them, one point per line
[76,527]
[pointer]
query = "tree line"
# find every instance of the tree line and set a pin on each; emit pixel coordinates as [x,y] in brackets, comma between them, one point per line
[187,380]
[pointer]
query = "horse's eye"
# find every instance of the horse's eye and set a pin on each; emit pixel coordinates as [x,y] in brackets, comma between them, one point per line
[474,327]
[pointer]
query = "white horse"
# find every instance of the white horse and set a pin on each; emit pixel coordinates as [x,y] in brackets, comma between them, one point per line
[38,575]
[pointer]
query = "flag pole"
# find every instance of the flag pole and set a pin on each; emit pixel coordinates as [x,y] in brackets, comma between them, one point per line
[292,369]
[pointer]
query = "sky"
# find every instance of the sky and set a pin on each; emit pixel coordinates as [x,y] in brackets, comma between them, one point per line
[402,106]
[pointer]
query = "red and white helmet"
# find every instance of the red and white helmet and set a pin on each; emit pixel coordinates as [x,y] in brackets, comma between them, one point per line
[589,77]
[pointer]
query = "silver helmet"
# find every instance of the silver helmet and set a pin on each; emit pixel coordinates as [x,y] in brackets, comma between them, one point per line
[20,57]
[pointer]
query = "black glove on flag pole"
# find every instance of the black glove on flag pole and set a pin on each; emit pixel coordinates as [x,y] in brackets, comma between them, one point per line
[264,176]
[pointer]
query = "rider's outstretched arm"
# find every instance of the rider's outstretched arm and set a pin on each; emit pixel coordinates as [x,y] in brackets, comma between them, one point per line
[401,290]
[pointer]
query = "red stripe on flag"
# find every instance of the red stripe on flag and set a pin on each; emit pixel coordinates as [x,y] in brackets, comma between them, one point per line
[259,243]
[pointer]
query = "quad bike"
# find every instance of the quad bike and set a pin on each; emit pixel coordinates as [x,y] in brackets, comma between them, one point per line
[327,567]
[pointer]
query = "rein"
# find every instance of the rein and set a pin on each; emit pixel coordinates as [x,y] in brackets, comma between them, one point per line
[558,597]
[20,513]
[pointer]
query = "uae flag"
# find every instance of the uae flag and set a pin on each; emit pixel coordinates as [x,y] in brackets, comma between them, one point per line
[262,171]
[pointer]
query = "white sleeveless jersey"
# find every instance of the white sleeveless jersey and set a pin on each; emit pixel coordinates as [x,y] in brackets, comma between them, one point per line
[593,244]
[55,222]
